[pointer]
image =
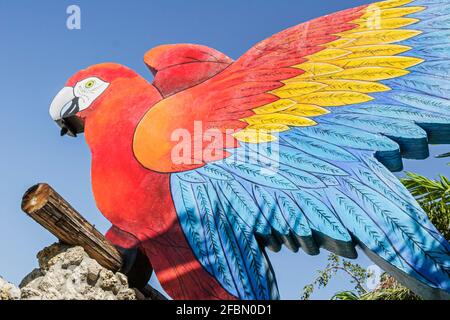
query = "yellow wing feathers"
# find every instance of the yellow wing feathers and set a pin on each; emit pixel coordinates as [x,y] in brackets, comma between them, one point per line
[279,118]
[376,50]
[275,107]
[347,71]
[255,135]
[392,3]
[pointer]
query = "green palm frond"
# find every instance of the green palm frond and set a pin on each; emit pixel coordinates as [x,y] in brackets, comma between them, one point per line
[401,293]
[426,190]
[434,197]
[445,155]
[345,295]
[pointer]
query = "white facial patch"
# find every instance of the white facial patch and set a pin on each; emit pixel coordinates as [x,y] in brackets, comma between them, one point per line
[88,90]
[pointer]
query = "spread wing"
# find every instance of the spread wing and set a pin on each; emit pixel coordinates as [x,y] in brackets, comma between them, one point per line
[309,120]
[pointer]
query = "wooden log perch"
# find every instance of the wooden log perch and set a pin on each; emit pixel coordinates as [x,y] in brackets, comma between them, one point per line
[55,214]
[42,203]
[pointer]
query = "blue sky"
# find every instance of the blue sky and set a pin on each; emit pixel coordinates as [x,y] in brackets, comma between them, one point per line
[38,53]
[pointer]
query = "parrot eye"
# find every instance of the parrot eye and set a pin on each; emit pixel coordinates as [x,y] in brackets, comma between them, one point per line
[89,84]
[88,90]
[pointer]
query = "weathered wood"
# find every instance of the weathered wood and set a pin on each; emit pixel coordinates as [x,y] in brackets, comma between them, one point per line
[55,214]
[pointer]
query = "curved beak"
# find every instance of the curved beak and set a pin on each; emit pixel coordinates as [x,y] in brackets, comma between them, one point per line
[64,109]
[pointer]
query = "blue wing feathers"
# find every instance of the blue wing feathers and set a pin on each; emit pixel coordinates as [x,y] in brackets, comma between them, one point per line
[270,210]
[369,178]
[436,51]
[294,157]
[428,2]
[425,84]
[397,111]
[217,259]
[251,172]
[215,172]
[379,124]
[349,137]
[328,180]
[422,96]
[437,68]
[281,230]
[190,217]
[422,101]
[406,236]
[435,124]
[428,39]
[362,227]
[329,185]
[320,217]
[318,149]
[234,254]
[253,260]
[411,138]
[310,220]
[239,199]
[294,216]
[301,231]
[191,177]
[301,178]
[437,22]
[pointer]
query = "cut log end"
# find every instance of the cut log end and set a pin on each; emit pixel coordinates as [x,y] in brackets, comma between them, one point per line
[55,214]
[35,198]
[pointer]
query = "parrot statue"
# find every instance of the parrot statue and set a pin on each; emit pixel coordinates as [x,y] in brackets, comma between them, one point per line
[292,144]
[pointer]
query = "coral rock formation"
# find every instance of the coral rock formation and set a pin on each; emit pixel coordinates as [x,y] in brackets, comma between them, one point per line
[68,273]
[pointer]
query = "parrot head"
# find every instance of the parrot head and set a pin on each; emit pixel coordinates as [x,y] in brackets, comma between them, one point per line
[85,93]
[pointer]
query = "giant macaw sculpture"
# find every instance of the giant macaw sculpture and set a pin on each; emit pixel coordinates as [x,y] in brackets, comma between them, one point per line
[292,144]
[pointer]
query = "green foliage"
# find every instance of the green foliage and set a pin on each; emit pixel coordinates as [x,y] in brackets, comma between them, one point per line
[389,289]
[357,274]
[445,155]
[400,293]
[434,197]
[345,295]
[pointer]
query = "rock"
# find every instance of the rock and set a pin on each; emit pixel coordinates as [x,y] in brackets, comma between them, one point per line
[68,273]
[126,294]
[60,255]
[36,273]
[30,294]
[8,291]
[108,281]
[122,279]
